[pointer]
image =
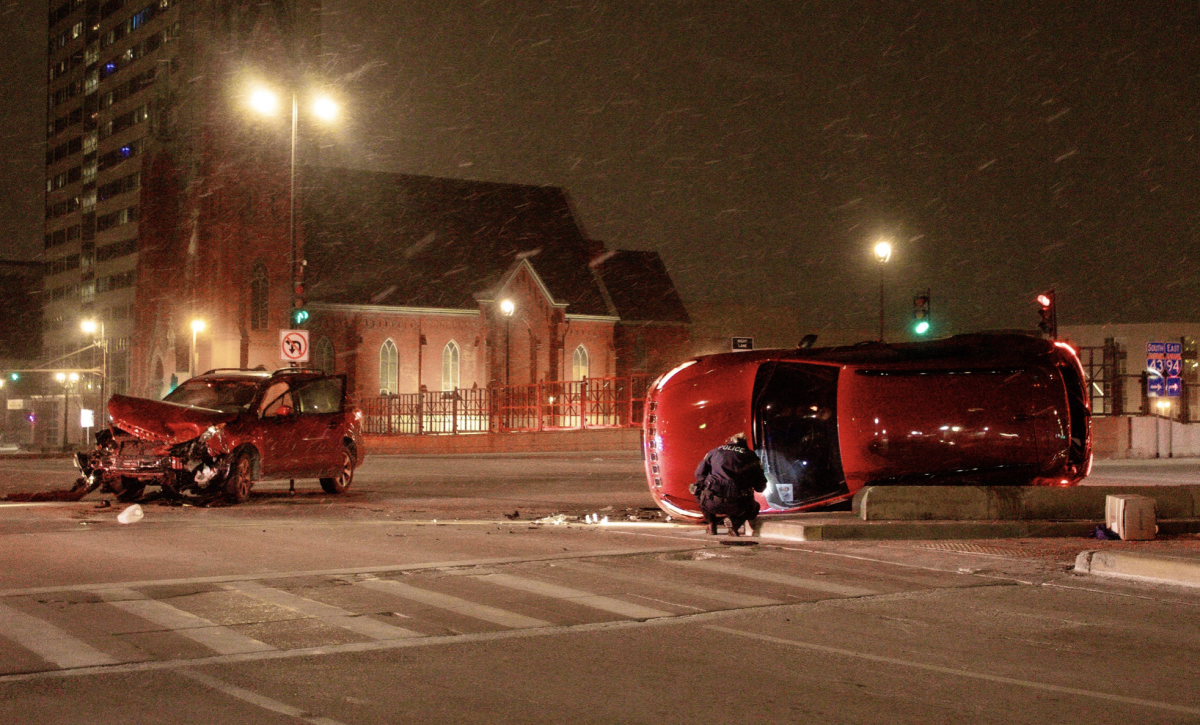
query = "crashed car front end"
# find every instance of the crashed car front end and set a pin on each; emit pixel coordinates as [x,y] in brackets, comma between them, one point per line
[139,451]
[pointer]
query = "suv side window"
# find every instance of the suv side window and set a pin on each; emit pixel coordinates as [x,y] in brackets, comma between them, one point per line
[321,396]
[276,397]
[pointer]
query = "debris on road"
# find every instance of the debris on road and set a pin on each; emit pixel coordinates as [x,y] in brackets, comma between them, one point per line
[131,515]
[556,520]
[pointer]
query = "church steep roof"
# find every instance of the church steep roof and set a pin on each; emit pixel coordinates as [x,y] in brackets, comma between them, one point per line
[377,238]
[640,287]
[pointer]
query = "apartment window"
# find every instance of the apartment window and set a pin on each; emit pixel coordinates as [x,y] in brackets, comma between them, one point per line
[450,366]
[389,369]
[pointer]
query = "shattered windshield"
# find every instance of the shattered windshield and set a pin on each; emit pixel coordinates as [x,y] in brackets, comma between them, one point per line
[227,396]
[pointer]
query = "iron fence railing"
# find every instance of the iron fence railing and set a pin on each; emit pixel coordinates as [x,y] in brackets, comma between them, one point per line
[552,405]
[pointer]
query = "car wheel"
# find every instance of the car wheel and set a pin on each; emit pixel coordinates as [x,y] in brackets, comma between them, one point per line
[241,478]
[128,489]
[345,475]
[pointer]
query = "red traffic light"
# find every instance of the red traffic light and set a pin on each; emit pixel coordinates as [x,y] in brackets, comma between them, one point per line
[1044,300]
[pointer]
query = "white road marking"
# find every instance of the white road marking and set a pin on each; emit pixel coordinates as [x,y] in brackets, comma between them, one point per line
[219,639]
[254,698]
[453,604]
[772,578]
[327,613]
[958,672]
[49,642]
[383,569]
[576,596]
[735,599]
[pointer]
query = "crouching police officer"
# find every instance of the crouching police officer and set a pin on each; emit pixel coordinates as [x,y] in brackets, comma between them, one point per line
[725,484]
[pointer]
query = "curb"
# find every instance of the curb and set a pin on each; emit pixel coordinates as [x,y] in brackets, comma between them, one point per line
[1142,567]
[852,529]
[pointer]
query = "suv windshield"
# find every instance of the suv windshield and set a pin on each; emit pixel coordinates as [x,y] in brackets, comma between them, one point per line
[796,415]
[227,396]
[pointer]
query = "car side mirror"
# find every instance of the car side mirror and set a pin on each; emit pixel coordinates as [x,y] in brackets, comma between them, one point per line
[283,410]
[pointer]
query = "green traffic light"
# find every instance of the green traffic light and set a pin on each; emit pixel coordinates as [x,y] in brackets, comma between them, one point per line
[921,327]
[14,376]
[299,316]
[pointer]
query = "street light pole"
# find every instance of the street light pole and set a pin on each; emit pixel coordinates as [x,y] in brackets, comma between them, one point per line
[507,308]
[296,271]
[90,327]
[883,252]
[194,358]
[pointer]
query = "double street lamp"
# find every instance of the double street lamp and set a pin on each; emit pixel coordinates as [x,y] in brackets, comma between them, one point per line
[266,102]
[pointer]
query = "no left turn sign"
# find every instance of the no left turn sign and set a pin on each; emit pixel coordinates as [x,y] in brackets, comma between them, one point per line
[293,345]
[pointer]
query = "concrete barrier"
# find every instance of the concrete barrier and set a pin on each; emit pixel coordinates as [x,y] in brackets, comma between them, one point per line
[1014,503]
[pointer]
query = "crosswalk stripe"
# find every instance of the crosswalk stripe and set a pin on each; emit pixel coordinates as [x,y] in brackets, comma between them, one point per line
[453,604]
[772,578]
[735,599]
[327,613]
[219,639]
[578,596]
[49,642]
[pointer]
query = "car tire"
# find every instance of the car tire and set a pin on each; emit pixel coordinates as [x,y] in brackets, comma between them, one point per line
[128,489]
[240,479]
[345,475]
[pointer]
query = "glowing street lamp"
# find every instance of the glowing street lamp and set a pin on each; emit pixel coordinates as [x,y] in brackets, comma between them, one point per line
[507,308]
[91,327]
[194,361]
[883,252]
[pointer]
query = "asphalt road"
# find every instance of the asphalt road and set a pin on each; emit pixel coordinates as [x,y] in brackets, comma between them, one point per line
[416,599]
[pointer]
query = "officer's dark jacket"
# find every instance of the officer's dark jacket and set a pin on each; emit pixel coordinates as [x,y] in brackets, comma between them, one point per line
[730,471]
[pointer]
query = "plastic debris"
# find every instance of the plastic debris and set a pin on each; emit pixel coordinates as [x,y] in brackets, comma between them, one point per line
[131,515]
[555,520]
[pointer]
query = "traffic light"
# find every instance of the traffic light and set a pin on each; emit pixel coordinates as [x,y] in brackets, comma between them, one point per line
[14,377]
[1049,314]
[921,313]
[299,314]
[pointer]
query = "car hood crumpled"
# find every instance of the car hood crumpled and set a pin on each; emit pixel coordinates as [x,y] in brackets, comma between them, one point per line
[161,421]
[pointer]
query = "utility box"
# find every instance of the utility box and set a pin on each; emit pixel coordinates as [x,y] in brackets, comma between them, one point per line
[1131,517]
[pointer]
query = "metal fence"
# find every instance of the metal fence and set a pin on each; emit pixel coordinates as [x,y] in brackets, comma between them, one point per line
[571,405]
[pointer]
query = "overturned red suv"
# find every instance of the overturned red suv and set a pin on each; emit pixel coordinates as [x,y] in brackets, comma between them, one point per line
[980,409]
[218,433]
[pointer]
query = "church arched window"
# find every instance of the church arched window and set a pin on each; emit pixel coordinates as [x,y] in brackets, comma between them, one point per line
[579,363]
[450,366]
[389,369]
[323,356]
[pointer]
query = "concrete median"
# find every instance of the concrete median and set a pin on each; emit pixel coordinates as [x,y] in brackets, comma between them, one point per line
[1014,503]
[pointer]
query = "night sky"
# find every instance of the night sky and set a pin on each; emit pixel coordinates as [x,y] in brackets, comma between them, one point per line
[762,147]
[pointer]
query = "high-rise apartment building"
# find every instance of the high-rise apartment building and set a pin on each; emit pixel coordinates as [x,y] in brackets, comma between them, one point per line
[165,196]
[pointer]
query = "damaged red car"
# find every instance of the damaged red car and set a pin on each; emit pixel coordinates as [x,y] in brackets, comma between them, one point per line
[981,409]
[218,433]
